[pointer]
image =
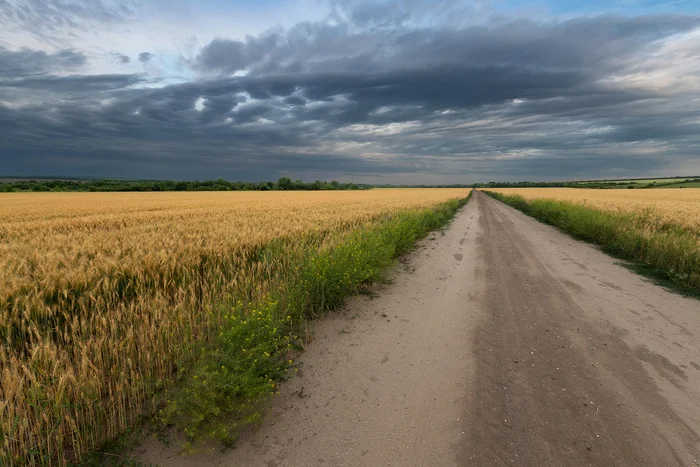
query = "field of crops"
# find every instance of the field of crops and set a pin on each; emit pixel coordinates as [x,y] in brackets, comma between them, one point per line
[680,207]
[106,298]
[657,229]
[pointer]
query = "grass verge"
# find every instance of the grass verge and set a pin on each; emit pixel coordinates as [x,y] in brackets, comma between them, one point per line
[253,351]
[667,253]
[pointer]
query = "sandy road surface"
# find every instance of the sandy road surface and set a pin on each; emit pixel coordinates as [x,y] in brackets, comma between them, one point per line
[501,342]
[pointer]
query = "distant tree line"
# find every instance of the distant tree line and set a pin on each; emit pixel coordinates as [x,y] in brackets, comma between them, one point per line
[101,185]
[637,183]
[285,183]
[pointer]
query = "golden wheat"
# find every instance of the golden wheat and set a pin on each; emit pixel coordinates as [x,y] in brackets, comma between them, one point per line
[103,297]
[679,206]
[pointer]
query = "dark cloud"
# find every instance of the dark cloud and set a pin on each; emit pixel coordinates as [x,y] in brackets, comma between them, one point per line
[25,62]
[229,56]
[145,57]
[294,100]
[121,58]
[76,84]
[601,45]
[373,95]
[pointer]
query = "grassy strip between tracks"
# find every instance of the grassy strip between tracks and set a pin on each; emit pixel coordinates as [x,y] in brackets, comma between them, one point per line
[254,350]
[666,252]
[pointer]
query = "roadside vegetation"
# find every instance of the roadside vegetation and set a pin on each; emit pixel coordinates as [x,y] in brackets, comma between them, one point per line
[671,206]
[670,249]
[188,308]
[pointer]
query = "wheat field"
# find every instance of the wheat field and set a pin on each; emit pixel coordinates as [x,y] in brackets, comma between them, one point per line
[105,296]
[678,206]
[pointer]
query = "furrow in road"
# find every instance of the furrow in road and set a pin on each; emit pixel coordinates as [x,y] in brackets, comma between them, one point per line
[501,342]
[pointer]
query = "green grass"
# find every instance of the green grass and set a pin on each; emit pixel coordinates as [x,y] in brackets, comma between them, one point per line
[667,252]
[643,181]
[653,180]
[650,183]
[690,184]
[234,375]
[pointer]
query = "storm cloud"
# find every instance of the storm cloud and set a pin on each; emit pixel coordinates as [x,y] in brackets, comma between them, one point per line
[372,94]
[25,62]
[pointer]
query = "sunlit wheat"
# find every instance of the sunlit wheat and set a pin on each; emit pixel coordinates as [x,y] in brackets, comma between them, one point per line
[103,297]
[677,205]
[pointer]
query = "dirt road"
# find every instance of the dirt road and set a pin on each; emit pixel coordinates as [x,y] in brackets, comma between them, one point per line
[501,342]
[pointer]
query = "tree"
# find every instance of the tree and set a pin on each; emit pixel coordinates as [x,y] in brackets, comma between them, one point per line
[285,183]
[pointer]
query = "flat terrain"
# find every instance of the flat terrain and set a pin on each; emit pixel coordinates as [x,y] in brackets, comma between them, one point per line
[501,342]
[109,293]
[680,207]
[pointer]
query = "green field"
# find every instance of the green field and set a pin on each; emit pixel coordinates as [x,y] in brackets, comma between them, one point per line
[689,184]
[652,180]
[644,183]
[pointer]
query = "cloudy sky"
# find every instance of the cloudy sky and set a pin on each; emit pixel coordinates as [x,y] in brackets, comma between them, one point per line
[386,91]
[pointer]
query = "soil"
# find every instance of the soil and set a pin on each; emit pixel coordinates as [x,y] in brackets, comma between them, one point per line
[500,341]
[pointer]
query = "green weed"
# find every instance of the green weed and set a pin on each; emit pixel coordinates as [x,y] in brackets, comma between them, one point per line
[255,348]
